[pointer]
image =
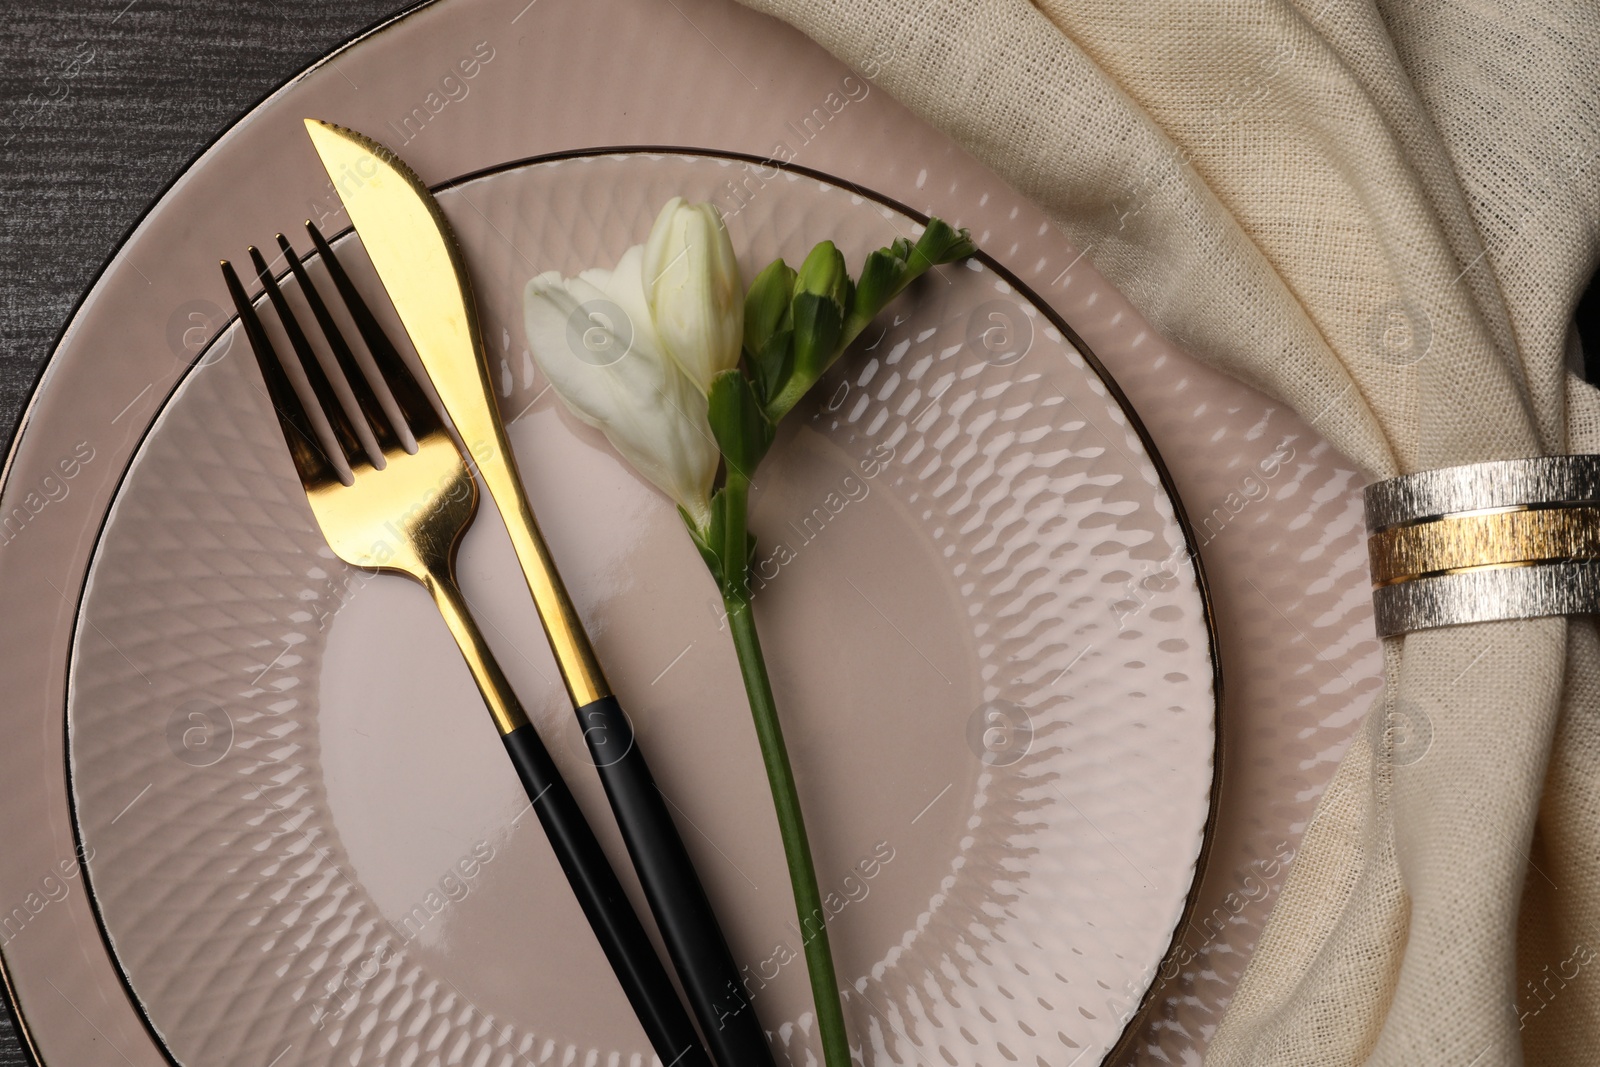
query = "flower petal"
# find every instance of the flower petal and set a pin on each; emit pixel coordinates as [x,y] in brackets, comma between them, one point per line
[691,282]
[592,338]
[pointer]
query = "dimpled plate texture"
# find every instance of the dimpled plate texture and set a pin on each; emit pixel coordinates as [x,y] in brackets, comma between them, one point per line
[1006,764]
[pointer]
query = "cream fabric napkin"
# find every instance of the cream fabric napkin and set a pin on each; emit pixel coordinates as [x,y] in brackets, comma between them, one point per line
[1382,214]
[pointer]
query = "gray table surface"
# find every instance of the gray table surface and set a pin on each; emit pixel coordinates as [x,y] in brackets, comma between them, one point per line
[102,104]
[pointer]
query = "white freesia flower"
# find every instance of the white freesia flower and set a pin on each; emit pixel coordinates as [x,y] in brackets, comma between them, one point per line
[692,286]
[593,338]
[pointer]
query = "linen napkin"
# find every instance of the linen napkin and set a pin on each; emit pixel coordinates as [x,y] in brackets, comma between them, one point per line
[1382,214]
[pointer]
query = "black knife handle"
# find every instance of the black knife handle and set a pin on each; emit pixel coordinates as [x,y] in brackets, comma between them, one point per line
[640,971]
[677,899]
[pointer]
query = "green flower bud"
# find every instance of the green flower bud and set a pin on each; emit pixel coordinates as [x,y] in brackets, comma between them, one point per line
[824,274]
[766,305]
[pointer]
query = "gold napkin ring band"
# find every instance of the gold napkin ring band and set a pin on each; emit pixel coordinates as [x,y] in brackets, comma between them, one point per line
[1511,539]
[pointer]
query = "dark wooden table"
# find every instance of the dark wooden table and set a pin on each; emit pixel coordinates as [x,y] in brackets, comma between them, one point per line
[102,104]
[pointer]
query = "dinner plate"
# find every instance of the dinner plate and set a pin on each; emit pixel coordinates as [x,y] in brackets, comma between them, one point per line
[308,799]
[304,834]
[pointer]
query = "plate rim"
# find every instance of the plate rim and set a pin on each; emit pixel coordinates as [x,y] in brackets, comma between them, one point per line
[1136,1020]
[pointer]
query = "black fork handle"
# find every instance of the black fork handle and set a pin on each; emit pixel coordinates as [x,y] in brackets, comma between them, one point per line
[643,977]
[677,899]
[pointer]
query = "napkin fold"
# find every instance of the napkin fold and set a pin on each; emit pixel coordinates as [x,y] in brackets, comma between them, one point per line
[1382,214]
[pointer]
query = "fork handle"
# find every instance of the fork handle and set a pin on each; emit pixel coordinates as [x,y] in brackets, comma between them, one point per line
[677,899]
[615,923]
[605,904]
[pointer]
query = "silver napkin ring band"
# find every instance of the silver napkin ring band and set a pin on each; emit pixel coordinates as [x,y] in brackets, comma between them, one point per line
[1511,539]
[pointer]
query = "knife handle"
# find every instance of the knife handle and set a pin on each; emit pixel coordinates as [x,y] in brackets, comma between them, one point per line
[678,901]
[604,902]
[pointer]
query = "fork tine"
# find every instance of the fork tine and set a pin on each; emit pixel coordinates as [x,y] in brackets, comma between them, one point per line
[414,404]
[344,433]
[355,377]
[309,461]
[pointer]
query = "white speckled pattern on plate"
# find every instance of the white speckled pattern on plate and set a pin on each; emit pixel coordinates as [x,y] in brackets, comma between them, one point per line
[1277,510]
[1021,761]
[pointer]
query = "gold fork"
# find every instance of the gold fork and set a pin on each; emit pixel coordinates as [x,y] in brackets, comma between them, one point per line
[403,510]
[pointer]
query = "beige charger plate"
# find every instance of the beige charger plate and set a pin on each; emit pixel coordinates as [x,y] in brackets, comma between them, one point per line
[110,391]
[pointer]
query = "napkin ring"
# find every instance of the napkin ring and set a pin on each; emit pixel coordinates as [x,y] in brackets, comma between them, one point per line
[1511,539]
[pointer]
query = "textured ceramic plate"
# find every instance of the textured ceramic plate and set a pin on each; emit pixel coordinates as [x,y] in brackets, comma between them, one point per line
[305,836]
[1277,516]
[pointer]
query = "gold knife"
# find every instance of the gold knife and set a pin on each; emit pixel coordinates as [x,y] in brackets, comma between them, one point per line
[414,250]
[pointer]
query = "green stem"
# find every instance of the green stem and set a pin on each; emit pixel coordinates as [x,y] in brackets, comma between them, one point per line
[786,799]
[792,828]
